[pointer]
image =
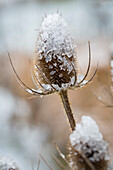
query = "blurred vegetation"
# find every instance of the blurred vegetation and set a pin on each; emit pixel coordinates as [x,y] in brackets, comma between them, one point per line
[29,126]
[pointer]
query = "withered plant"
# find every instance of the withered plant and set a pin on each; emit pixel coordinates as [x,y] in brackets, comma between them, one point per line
[87,149]
[54,68]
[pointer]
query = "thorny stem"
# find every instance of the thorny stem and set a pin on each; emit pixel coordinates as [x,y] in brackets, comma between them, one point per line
[66,104]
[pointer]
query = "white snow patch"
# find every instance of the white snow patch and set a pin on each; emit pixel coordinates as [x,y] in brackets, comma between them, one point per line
[7,163]
[65,85]
[48,58]
[61,67]
[59,57]
[52,72]
[60,75]
[72,80]
[47,86]
[56,86]
[55,64]
[112,63]
[99,98]
[36,73]
[87,133]
[29,91]
[35,67]
[41,56]
[70,68]
[50,66]
[79,78]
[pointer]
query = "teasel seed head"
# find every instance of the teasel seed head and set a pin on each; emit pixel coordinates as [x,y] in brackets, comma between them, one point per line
[55,54]
[87,149]
[54,67]
[7,164]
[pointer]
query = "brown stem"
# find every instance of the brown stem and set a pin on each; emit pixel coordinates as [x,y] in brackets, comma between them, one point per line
[66,104]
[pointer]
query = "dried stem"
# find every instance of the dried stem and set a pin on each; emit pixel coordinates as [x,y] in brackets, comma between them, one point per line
[59,163]
[66,104]
[46,162]
[61,154]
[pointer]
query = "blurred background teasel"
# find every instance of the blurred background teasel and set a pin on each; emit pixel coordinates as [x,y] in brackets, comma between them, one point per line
[27,127]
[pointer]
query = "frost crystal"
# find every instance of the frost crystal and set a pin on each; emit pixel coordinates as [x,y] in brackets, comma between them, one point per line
[7,164]
[47,86]
[87,139]
[79,78]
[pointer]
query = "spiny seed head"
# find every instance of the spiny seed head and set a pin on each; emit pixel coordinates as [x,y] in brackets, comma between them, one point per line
[55,53]
[87,146]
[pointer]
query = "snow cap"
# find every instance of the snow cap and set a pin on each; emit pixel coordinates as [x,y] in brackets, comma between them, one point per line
[54,37]
[55,54]
[87,140]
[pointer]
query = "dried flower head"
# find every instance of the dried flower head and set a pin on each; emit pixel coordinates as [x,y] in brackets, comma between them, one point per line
[55,55]
[54,67]
[87,149]
[7,164]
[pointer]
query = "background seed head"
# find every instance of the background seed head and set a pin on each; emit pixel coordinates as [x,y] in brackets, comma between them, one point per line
[87,141]
[55,53]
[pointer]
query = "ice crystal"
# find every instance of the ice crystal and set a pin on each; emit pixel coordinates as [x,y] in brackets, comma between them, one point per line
[79,78]
[47,86]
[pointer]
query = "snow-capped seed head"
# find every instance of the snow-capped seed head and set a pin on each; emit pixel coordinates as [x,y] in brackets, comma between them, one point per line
[7,164]
[87,145]
[55,52]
